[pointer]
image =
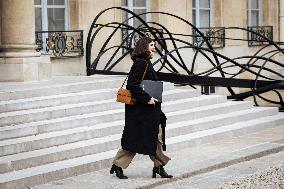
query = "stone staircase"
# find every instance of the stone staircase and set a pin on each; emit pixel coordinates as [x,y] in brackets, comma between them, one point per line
[68,126]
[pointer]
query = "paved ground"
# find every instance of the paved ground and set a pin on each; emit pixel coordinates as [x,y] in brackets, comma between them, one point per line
[201,166]
[254,174]
[272,178]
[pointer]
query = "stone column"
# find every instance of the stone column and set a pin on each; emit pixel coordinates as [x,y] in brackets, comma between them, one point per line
[18,59]
[281,20]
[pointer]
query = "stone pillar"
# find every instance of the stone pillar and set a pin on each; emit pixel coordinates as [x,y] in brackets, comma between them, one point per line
[282,20]
[18,59]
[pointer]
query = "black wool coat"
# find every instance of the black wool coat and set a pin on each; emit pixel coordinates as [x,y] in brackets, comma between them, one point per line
[142,120]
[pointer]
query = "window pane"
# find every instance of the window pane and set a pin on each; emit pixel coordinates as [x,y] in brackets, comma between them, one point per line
[204,3]
[139,3]
[254,4]
[136,22]
[37,2]
[38,19]
[55,2]
[254,18]
[194,17]
[124,3]
[204,18]
[56,19]
[193,4]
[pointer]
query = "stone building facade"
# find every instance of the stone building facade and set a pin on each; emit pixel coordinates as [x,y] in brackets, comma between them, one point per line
[19,60]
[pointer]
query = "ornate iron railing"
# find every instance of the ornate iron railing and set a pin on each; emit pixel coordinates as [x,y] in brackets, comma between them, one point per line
[222,71]
[256,33]
[215,36]
[60,44]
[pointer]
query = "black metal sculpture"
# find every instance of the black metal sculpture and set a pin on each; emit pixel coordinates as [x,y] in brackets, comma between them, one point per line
[171,62]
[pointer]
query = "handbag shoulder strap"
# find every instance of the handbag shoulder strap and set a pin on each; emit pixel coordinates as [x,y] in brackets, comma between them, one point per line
[142,76]
[124,81]
[145,71]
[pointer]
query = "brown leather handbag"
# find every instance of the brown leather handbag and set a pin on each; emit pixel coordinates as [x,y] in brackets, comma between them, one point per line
[124,95]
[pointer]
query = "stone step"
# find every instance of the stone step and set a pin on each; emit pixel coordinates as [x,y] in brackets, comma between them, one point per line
[233,130]
[177,94]
[55,80]
[23,116]
[59,170]
[63,88]
[81,97]
[59,124]
[60,88]
[37,127]
[29,143]
[57,100]
[210,122]
[193,163]
[58,153]
[195,102]
[204,111]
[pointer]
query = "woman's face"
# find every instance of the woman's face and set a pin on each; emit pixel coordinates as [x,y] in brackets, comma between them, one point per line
[151,49]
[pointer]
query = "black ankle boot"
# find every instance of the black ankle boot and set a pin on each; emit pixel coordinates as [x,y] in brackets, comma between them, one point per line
[160,171]
[118,172]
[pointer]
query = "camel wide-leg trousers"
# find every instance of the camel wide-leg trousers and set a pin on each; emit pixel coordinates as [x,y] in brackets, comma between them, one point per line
[123,158]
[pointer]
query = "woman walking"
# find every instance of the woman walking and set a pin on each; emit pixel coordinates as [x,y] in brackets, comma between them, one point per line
[144,122]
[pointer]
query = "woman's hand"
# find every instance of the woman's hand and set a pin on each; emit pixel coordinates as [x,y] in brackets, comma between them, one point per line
[152,101]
